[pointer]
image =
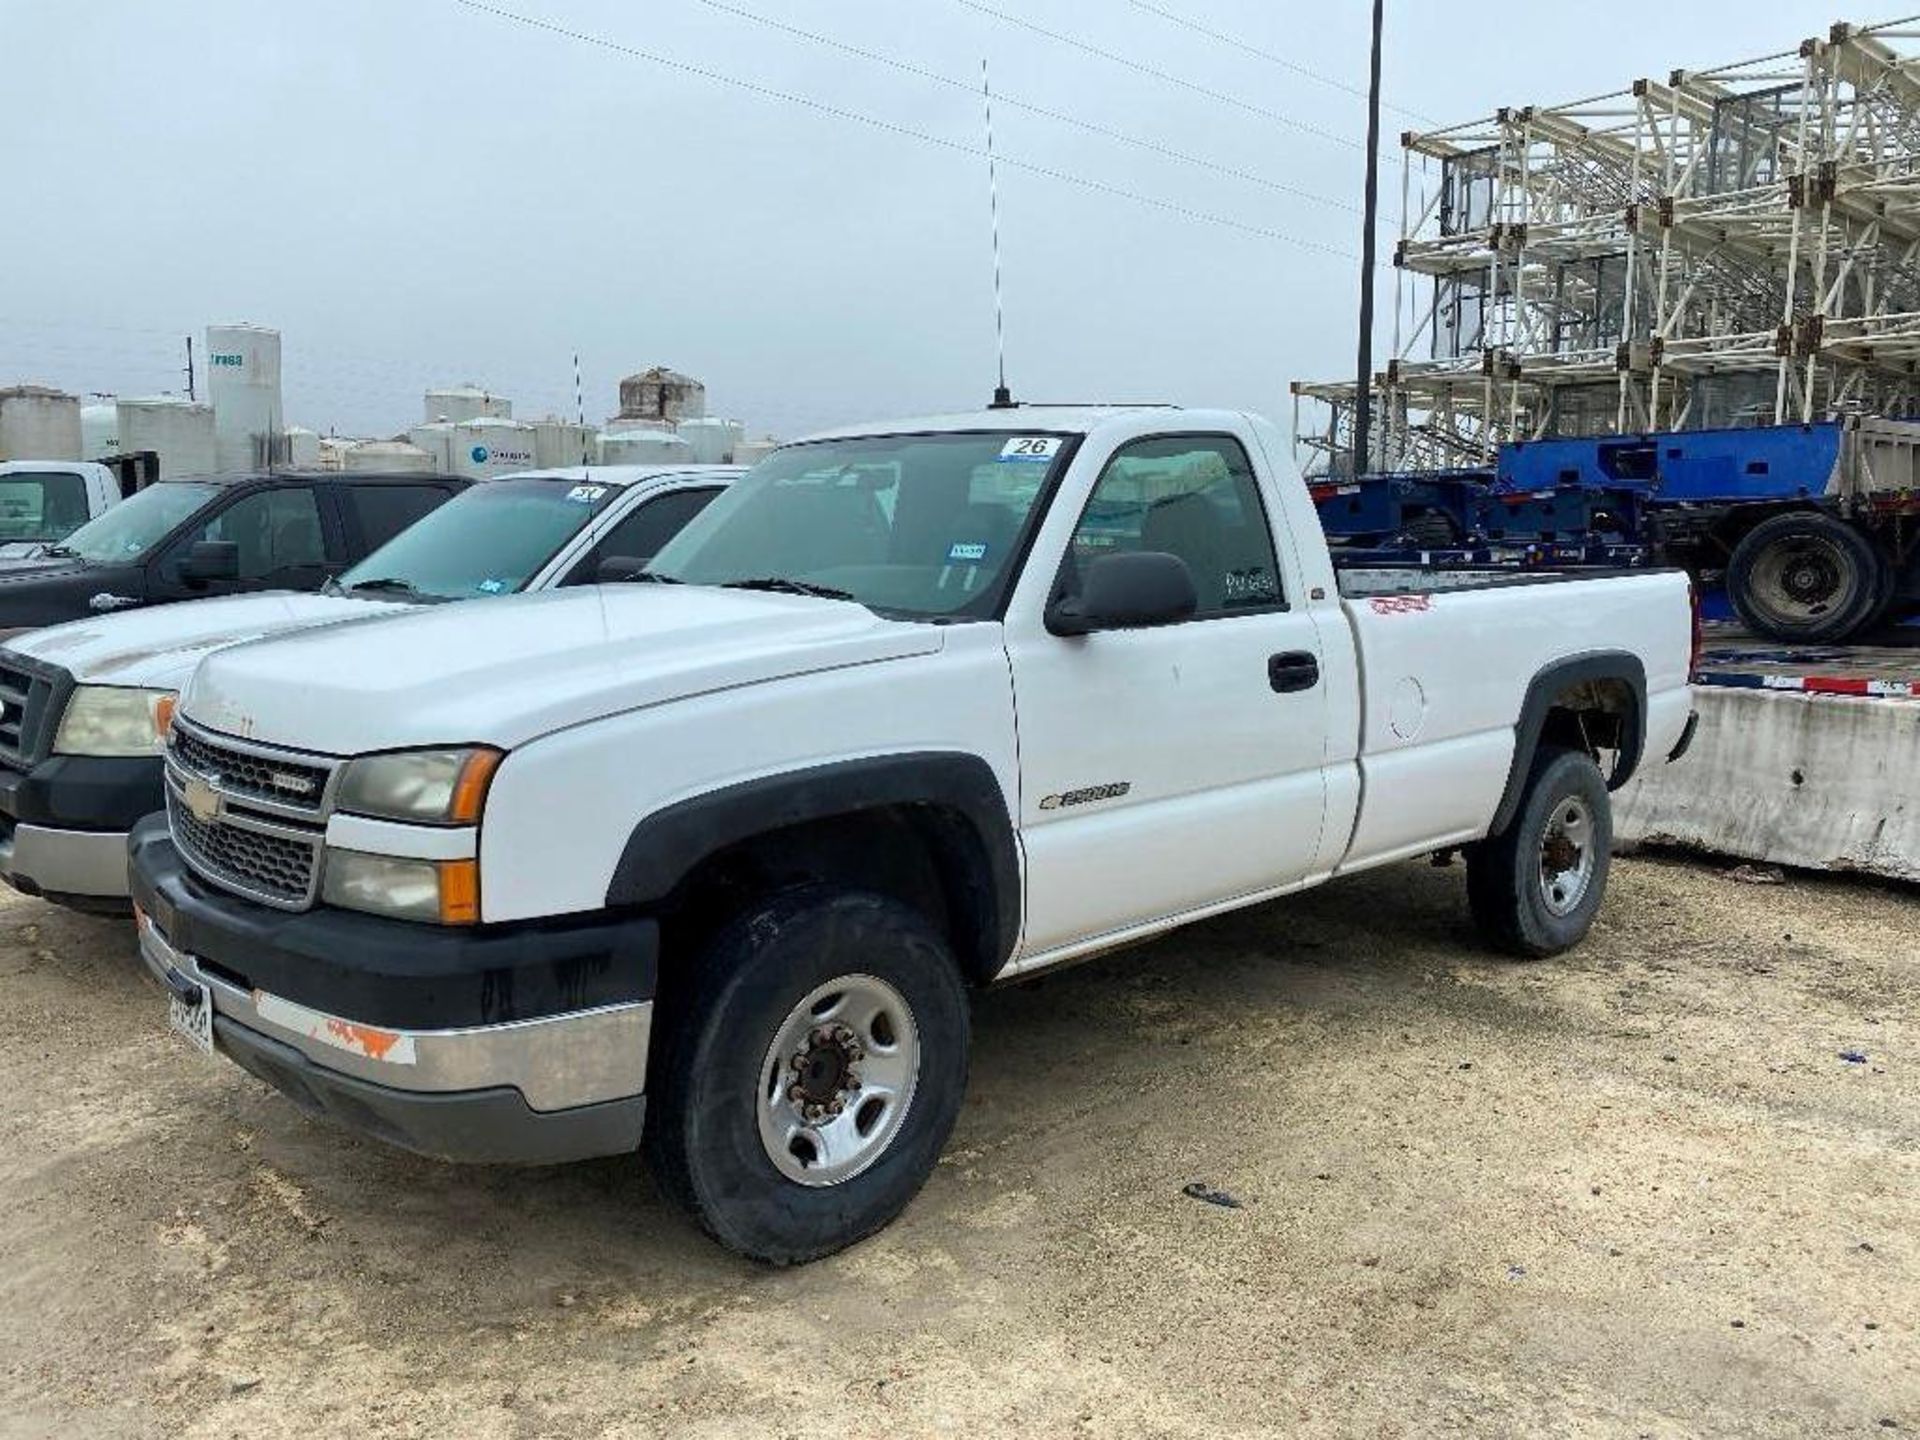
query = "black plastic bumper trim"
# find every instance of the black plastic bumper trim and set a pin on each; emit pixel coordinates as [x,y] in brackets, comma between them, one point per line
[84,792]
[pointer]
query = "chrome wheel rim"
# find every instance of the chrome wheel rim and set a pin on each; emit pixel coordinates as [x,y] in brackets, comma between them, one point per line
[836,1082]
[1566,856]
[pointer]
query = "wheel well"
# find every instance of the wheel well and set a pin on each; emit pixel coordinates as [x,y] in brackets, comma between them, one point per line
[927,857]
[1594,716]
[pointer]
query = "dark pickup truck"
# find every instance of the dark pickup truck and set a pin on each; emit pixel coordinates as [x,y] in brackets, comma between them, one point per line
[187,539]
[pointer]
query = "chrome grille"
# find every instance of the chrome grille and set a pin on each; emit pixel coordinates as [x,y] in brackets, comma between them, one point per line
[276,867]
[31,697]
[256,773]
[249,818]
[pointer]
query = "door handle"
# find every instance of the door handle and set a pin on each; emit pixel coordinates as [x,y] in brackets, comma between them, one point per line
[1292,670]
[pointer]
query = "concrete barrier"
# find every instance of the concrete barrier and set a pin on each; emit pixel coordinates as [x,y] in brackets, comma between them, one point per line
[1818,781]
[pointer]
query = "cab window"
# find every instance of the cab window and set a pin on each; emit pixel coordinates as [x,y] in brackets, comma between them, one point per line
[275,530]
[1193,496]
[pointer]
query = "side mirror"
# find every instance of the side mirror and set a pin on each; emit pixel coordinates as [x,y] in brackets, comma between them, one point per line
[1127,591]
[616,568]
[211,560]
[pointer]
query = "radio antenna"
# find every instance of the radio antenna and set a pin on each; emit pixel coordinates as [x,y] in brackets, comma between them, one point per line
[1002,397]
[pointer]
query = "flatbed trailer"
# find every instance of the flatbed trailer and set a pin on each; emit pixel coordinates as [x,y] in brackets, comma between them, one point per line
[1812,528]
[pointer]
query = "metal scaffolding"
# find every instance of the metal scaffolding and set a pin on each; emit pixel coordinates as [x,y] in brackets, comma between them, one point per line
[1734,246]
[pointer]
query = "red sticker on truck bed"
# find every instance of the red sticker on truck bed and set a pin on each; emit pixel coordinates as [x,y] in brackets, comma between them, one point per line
[1400,604]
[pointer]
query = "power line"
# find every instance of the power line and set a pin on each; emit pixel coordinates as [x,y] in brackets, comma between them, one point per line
[1141,68]
[952,82]
[1186,22]
[892,128]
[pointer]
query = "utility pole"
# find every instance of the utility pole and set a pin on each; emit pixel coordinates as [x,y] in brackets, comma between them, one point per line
[1363,406]
[190,394]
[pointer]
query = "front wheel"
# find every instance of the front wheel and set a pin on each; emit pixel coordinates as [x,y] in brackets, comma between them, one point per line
[1535,888]
[810,1074]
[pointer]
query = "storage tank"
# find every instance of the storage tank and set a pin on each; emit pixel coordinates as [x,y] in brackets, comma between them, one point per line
[659,396]
[559,442]
[466,402]
[38,422]
[243,382]
[436,438]
[490,446]
[303,448]
[714,441]
[99,430]
[389,456]
[333,451]
[752,452]
[178,430]
[644,447]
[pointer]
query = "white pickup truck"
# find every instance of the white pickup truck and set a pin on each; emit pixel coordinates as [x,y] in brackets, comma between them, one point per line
[82,705]
[914,708]
[44,501]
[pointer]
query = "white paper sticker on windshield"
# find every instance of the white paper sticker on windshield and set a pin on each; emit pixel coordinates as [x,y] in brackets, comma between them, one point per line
[964,550]
[586,494]
[492,587]
[1031,448]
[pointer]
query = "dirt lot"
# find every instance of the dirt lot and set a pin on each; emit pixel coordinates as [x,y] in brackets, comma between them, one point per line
[1634,1192]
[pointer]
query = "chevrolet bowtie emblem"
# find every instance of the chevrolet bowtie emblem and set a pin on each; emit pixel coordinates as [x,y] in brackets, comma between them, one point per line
[201,799]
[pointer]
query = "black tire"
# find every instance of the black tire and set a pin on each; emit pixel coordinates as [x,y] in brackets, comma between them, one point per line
[1508,891]
[704,1101]
[1806,576]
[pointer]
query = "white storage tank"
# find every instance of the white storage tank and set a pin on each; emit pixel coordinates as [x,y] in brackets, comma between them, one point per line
[38,422]
[389,456]
[752,452]
[243,383]
[436,438]
[303,448]
[178,430]
[333,451]
[558,442]
[490,446]
[99,430]
[644,447]
[466,402]
[714,441]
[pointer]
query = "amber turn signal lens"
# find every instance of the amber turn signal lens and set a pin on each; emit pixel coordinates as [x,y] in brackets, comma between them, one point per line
[470,790]
[163,709]
[459,892]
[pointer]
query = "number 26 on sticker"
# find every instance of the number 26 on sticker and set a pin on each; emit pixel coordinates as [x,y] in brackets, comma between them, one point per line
[1031,447]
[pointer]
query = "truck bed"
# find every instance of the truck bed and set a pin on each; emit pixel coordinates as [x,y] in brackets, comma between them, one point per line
[1361,581]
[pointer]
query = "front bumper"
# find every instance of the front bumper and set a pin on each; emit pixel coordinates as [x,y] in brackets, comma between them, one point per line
[64,824]
[373,1023]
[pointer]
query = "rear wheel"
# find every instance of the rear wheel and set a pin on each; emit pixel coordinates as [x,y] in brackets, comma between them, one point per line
[810,1074]
[1535,888]
[1430,530]
[1806,576]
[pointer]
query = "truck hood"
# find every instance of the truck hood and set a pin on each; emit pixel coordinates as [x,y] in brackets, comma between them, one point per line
[157,647]
[512,669]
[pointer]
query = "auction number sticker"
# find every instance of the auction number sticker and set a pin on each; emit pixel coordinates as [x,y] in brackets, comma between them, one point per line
[586,494]
[1030,448]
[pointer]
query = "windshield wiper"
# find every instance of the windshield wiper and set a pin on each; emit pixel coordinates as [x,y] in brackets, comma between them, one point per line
[62,551]
[386,582]
[780,585]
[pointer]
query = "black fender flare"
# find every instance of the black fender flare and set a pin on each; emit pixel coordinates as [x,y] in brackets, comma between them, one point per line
[668,845]
[1546,686]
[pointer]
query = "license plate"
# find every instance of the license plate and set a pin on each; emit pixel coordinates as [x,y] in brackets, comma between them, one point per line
[195,1021]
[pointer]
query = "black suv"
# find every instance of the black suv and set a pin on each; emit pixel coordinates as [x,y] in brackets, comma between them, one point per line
[189,538]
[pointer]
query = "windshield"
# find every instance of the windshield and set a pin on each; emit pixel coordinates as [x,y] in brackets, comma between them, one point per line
[133,527]
[489,540]
[41,504]
[923,526]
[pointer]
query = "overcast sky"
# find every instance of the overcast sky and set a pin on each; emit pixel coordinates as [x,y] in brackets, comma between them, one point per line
[417,192]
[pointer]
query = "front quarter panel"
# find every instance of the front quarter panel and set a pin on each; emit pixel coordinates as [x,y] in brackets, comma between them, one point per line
[561,808]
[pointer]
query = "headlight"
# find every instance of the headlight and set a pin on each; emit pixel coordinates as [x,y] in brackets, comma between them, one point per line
[110,720]
[435,787]
[444,892]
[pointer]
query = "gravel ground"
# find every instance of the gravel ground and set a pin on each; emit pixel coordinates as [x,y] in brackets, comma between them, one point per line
[1635,1191]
